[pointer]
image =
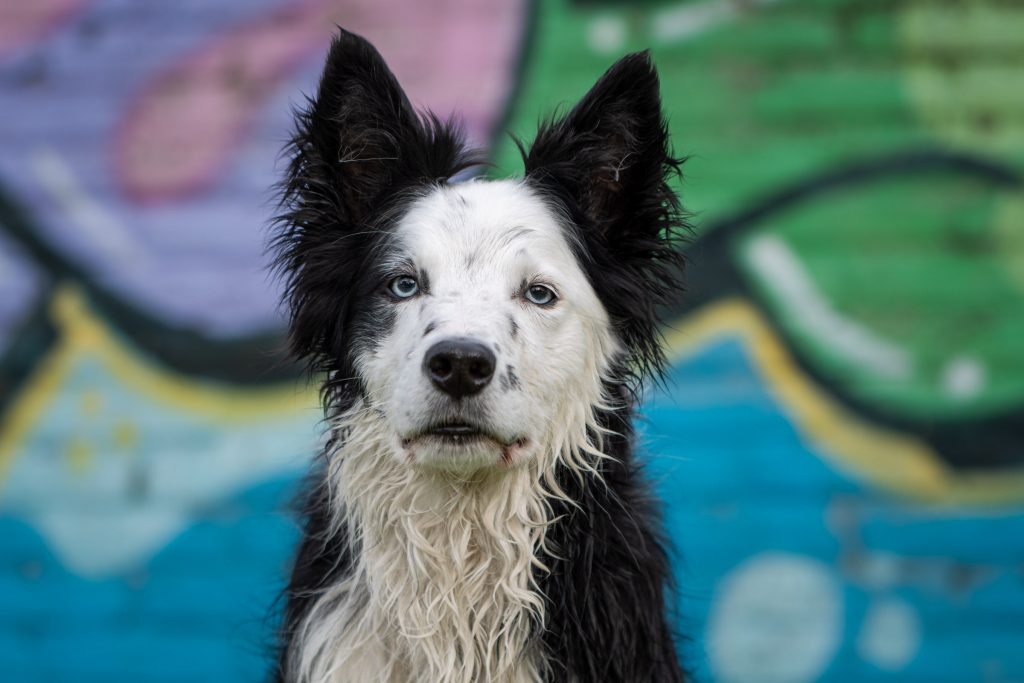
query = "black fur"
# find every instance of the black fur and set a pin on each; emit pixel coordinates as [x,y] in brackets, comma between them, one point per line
[323,557]
[609,587]
[607,164]
[359,154]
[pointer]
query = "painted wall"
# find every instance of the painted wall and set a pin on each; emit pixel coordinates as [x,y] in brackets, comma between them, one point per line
[840,443]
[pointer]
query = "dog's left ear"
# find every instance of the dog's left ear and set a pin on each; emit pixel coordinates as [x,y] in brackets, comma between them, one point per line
[608,163]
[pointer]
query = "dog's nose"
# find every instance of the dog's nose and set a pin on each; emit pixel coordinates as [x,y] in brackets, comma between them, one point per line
[459,367]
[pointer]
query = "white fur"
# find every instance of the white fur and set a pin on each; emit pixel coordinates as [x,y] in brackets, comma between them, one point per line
[447,539]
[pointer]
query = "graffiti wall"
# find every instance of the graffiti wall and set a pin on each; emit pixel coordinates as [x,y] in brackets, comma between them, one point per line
[840,440]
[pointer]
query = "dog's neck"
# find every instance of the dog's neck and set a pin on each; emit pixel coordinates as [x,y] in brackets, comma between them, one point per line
[443,586]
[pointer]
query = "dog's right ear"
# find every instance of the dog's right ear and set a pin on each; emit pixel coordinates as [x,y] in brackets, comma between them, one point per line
[361,137]
[358,146]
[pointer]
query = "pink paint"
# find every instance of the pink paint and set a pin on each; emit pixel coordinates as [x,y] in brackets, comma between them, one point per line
[179,135]
[23,22]
[450,56]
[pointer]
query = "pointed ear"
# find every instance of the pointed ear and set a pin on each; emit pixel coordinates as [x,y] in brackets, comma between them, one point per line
[359,146]
[361,136]
[609,165]
[612,147]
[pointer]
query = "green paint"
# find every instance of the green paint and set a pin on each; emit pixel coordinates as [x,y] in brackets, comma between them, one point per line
[765,97]
[917,264]
[964,72]
[774,94]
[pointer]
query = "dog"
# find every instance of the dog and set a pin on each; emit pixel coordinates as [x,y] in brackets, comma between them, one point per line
[477,514]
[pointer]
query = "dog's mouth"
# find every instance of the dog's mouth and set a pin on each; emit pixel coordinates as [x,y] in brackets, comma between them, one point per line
[457,435]
[455,430]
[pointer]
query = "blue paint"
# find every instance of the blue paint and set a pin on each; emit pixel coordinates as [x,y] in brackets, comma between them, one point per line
[201,609]
[738,481]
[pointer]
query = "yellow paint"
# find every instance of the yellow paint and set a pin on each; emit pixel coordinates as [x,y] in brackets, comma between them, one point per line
[126,436]
[92,402]
[32,400]
[89,335]
[894,461]
[82,335]
[79,455]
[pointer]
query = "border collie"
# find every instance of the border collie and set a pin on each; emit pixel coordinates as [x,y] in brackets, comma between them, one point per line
[478,515]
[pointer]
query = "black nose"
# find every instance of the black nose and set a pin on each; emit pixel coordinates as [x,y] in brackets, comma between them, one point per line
[459,367]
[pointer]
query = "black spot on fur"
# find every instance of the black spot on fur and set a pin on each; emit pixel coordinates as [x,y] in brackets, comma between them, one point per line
[509,380]
[431,326]
[513,327]
[424,279]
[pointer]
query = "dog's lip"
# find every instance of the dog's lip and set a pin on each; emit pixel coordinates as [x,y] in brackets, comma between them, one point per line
[454,429]
[459,432]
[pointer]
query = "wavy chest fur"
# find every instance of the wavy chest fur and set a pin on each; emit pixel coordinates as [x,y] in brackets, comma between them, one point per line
[442,589]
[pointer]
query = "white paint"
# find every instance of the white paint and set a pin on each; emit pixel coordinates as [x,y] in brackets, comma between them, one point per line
[777,618]
[447,537]
[606,34]
[106,232]
[964,378]
[780,270]
[890,635]
[109,539]
[691,19]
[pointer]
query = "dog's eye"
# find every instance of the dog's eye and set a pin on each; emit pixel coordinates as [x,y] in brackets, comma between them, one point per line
[542,295]
[404,286]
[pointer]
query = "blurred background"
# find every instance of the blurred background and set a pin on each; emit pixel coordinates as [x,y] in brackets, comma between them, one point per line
[840,443]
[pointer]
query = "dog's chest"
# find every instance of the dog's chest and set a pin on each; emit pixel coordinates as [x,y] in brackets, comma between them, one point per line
[448,620]
[443,587]
[392,656]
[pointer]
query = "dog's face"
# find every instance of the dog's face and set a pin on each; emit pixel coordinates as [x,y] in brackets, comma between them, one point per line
[484,321]
[491,329]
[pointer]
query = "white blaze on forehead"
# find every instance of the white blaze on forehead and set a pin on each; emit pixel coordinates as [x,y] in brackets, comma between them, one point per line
[491,235]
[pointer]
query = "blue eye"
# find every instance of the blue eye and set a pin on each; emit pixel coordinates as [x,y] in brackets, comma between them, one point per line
[404,287]
[541,295]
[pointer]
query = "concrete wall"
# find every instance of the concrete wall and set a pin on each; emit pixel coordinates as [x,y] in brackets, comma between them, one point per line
[840,442]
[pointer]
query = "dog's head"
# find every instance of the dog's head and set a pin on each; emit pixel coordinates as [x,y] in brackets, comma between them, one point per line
[483,321]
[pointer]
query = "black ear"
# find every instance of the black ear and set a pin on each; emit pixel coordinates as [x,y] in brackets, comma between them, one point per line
[358,149]
[363,137]
[609,164]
